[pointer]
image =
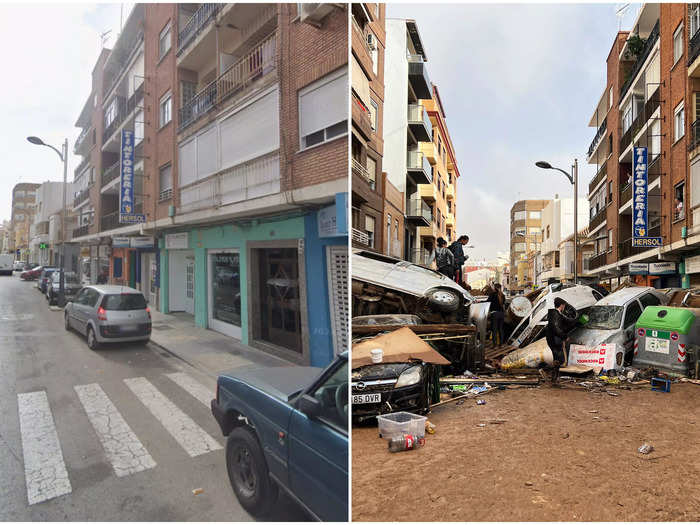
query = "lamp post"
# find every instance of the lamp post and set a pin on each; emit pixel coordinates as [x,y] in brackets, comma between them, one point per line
[573,179]
[64,158]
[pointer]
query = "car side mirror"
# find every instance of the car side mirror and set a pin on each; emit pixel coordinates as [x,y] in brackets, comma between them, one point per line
[309,405]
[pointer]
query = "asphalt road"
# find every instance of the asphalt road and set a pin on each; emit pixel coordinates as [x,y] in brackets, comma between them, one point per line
[121,434]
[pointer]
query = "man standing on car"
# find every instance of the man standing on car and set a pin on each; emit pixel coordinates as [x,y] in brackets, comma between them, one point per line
[444,260]
[557,338]
[457,249]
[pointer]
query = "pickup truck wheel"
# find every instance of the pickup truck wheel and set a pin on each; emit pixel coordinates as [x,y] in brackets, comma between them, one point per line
[443,299]
[248,473]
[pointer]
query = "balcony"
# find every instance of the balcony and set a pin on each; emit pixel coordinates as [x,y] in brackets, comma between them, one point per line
[109,174]
[198,21]
[360,237]
[694,133]
[361,118]
[450,191]
[598,137]
[260,61]
[602,173]
[419,168]
[429,149]
[256,178]
[81,197]
[418,212]
[81,231]
[124,109]
[418,77]
[84,139]
[122,56]
[110,221]
[693,48]
[648,46]
[83,164]
[598,219]
[450,220]
[419,123]
[362,172]
[624,248]
[625,193]
[427,192]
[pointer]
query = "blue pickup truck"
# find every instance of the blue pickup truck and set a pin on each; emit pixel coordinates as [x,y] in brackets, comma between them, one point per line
[287,428]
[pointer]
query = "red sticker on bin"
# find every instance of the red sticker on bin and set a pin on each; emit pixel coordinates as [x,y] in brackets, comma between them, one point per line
[641,332]
[674,336]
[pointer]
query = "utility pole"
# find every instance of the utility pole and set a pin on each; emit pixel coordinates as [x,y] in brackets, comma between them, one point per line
[61,285]
[575,172]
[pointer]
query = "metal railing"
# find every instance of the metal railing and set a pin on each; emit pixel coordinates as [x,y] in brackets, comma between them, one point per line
[124,109]
[109,221]
[598,219]
[360,237]
[648,45]
[625,193]
[602,173]
[83,164]
[81,196]
[419,208]
[259,61]
[624,248]
[126,53]
[81,138]
[598,136]
[694,47]
[694,132]
[111,173]
[198,21]
[416,160]
[597,261]
[80,231]
[165,195]
[417,113]
[362,172]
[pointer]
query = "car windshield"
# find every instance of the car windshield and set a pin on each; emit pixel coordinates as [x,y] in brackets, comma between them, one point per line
[127,301]
[604,317]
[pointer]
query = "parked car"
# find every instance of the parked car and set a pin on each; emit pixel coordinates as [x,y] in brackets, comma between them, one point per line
[109,314]
[20,266]
[44,278]
[6,263]
[287,428]
[612,319]
[531,327]
[32,274]
[386,285]
[71,286]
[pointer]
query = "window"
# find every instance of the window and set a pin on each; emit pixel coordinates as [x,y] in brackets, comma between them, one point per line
[655,148]
[610,192]
[598,202]
[610,98]
[547,230]
[679,202]
[678,122]
[632,314]
[556,259]
[610,239]
[694,18]
[373,112]
[372,171]
[165,109]
[649,299]
[164,41]
[111,113]
[122,302]
[678,44]
[327,394]
[91,179]
[165,183]
[520,231]
[627,117]
[519,215]
[323,109]
[369,230]
[535,214]
[519,246]
[117,268]
[388,233]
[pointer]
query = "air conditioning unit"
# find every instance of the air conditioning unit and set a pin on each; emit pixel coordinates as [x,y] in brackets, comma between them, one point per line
[371,41]
[314,13]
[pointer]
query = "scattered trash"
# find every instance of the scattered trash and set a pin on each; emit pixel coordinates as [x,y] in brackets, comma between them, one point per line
[632,375]
[480,401]
[592,411]
[197,492]
[529,483]
[430,427]
[646,448]
[565,435]
[610,380]
[614,394]
[481,425]
[479,389]
[659,384]
[460,402]
[498,421]
[405,442]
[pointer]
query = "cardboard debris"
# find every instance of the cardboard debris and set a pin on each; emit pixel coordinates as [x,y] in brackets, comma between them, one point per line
[401,346]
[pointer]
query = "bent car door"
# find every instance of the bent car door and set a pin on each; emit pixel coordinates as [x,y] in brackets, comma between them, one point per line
[318,449]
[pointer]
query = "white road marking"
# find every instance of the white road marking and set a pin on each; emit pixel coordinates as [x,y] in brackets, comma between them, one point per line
[192,387]
[186,432]
[44,470]
[123,449]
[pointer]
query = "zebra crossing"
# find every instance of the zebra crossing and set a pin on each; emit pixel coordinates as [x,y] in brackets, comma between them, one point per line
[46,473]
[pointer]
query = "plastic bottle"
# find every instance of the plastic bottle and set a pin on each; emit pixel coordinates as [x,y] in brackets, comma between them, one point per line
[404,442]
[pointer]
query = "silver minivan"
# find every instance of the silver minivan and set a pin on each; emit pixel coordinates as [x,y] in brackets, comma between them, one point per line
[109,314]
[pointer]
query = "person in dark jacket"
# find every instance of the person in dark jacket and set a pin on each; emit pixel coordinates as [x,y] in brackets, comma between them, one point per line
[457,249]
[557,337]
[497,301]
[444,260]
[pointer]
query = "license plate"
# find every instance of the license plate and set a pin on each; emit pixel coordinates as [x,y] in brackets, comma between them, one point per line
[660,346]
[129,328]
[366,398]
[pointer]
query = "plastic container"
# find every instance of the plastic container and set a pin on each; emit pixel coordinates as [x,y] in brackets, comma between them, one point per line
[401,423]
[377,355]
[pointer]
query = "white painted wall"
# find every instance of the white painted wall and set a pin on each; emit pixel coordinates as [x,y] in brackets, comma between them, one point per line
[49,199]
[559,216]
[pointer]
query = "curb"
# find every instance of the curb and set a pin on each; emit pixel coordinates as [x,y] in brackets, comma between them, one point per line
[177,356]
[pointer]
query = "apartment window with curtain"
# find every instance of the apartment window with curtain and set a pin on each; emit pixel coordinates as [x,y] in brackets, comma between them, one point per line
[372,171]
[679,202]
[535,214]
[694,18]
[627,117]
[323,109]
[165,179]
[373,112]
[610,240]
[369,230]
[164,41]
[678,44]
[678,122]
[165,109]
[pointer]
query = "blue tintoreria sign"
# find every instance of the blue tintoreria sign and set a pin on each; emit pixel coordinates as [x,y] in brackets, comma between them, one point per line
[640,221]
[126,188]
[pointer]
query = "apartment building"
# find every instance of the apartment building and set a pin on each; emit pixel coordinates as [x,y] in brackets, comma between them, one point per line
[525,240]
[45,234]
[566,257]
[557,223]
[368,33]
[4,236]
[649,101]
[23,197]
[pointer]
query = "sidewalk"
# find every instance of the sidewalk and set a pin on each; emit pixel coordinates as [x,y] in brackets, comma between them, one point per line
[206,350]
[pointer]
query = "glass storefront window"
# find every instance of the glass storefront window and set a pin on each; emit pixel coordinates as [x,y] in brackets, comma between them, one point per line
[226,287]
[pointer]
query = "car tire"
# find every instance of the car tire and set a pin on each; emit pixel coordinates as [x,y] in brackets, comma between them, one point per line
[92,342]
[443,299]
[248,472]
[66,322]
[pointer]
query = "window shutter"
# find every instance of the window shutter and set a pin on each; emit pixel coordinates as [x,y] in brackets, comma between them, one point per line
[323,104]
[187,172]
[338,297]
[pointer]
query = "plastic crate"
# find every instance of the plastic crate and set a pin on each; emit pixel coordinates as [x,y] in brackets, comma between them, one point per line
[400,423]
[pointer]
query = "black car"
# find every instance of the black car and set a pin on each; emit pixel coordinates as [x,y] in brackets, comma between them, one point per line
[44,278]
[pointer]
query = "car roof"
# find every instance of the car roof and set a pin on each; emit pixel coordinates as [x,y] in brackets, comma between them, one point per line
[622,297]
[113,289]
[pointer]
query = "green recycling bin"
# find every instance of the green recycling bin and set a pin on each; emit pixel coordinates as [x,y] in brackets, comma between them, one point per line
[663,335]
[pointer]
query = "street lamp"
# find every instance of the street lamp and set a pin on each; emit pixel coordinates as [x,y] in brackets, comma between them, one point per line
[573,179]
[64,158]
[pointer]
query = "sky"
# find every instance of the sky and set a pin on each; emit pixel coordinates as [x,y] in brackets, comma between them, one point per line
[519,83]
[50,50]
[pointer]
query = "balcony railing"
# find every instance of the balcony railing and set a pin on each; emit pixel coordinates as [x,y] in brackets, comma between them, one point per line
[124,109]
[109,221]
[81,138]
[360,237]
[83,164]
[417,161]
[80,231]
[81,197]
[258,62]
[362,172]
[651,40]
[198,21]
[694,132]
[126,53]
[598,219]
[602,173]
[111,173]
[598,136]
[694,47]
[625,193]
[624,248]
[597,261]
[419,208]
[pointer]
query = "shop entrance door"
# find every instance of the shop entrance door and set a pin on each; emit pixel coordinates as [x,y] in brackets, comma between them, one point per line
[224,292]
[181,281]
[189,284]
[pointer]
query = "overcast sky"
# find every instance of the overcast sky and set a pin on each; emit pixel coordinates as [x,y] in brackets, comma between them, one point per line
[48,52]
[519,83]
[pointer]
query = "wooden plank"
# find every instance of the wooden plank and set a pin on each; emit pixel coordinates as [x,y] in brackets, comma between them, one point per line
[420,329]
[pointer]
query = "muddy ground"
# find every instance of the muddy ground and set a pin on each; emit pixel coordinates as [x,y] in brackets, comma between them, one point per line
[551,460]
